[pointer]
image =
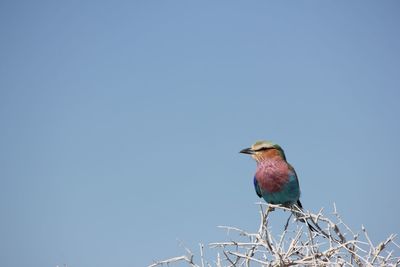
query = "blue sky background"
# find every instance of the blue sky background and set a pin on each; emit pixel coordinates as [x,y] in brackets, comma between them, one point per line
[121,121]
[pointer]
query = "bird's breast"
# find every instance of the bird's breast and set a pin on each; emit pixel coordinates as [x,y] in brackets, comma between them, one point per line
[272,175]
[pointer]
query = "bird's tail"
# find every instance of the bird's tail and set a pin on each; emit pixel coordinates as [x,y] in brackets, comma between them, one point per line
[298,212]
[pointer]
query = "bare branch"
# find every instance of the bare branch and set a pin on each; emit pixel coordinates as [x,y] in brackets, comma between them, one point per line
[296,246]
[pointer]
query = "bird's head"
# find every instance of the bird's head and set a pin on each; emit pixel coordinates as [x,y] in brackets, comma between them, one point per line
[264,149]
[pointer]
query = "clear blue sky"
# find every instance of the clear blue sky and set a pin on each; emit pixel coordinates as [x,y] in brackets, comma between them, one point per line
[121,121]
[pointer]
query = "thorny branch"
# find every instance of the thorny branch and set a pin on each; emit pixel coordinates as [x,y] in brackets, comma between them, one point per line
[338,246]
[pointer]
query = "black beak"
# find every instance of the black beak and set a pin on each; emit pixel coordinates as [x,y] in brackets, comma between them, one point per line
[247,151]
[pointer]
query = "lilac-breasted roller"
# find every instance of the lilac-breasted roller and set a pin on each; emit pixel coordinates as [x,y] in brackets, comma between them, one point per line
[275,179]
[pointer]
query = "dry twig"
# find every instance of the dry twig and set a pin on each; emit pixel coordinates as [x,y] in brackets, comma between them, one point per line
[296,246]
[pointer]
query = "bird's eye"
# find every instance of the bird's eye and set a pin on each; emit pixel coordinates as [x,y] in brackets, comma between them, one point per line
[263,148]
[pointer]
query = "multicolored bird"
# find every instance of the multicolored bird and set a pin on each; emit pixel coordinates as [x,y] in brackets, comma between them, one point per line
[275,179]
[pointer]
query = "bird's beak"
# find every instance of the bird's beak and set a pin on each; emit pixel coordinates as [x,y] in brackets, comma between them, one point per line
[247,151]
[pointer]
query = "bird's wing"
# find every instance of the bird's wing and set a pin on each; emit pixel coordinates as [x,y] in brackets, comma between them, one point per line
[257,188]
[292,170]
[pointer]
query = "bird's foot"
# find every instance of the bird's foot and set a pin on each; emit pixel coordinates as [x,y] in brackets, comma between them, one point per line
[270,208]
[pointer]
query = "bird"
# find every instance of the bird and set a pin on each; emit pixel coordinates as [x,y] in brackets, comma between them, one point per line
[275,179]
